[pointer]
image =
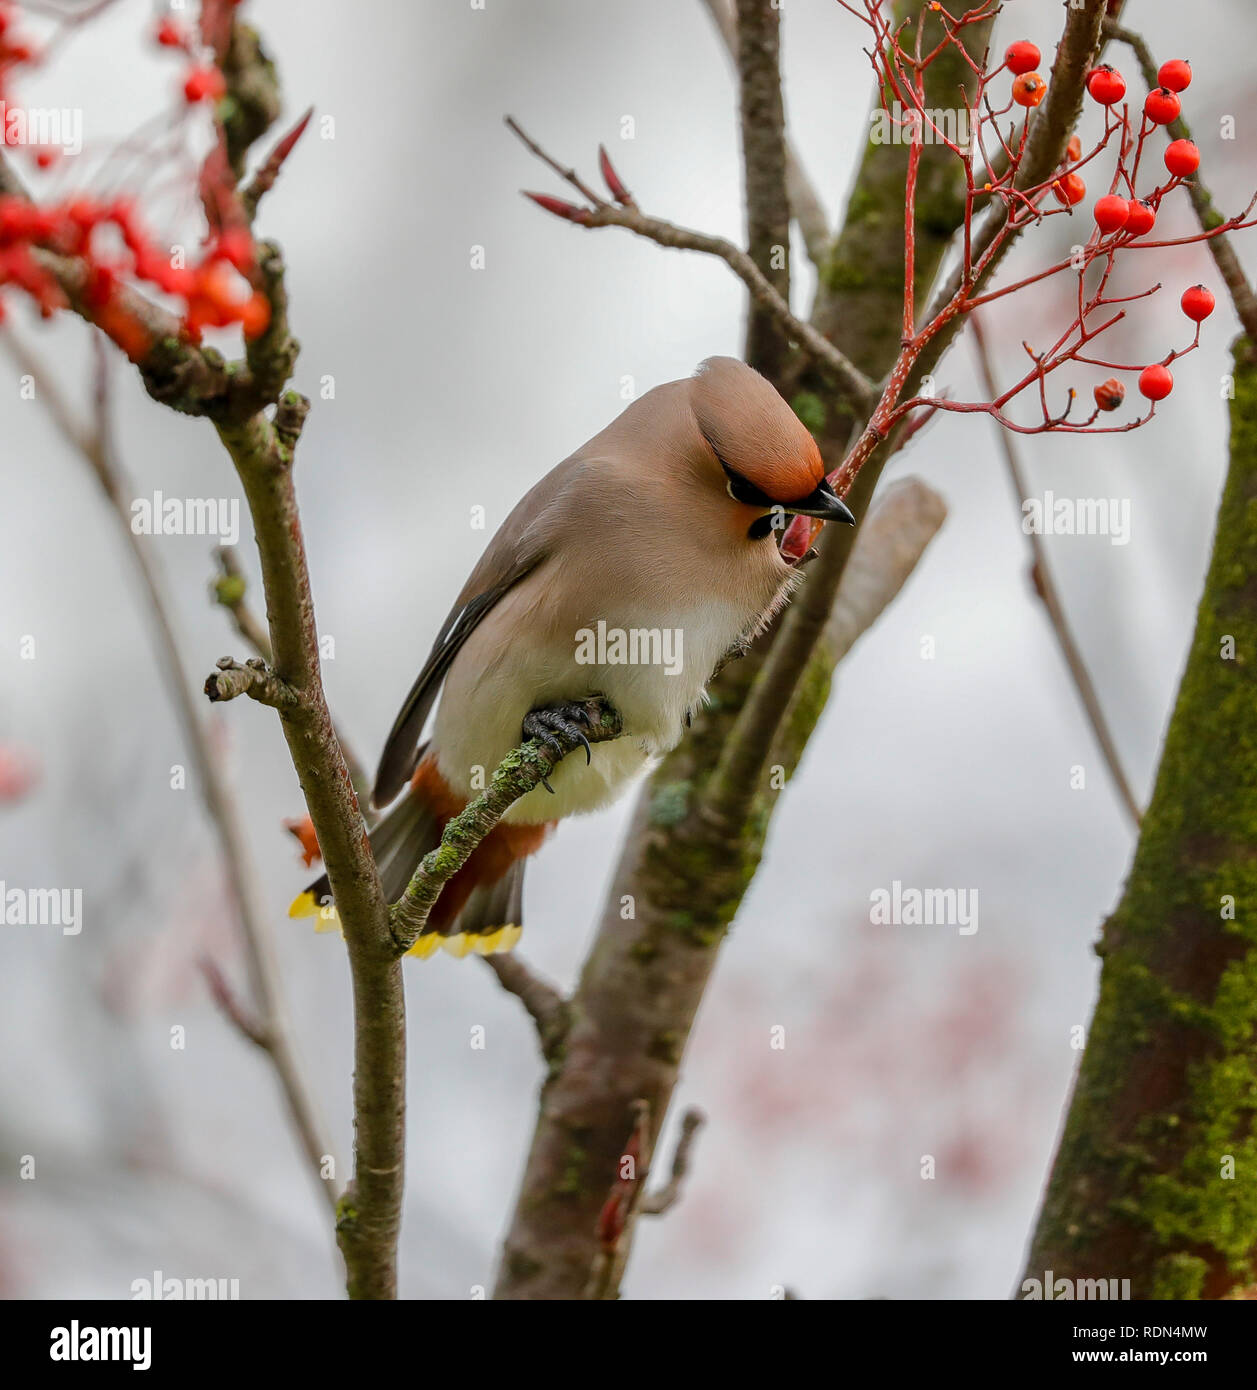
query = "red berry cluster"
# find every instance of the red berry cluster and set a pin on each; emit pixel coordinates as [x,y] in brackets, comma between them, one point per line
[111,243]
[1021,59]
[1135,217]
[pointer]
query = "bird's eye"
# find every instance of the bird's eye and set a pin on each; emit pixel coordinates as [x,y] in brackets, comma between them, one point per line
[743,490]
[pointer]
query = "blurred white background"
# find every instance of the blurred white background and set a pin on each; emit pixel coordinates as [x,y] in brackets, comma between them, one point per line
[456,387]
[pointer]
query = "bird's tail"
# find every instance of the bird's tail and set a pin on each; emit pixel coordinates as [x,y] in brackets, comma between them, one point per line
[480,910]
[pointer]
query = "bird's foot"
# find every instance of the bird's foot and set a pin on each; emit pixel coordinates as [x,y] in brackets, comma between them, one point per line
[561,728]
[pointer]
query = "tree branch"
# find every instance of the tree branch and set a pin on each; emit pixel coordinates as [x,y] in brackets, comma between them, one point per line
[850,380]
[763,124]
[656,1203]
[1045,587]
[523,769]
[805,203]
[545,1005]
[370,1211]
[255,679]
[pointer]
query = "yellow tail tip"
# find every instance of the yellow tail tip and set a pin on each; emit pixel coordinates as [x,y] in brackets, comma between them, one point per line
[306,905]
[467,943]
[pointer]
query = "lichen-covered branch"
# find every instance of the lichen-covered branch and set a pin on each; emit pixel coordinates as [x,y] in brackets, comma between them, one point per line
[523,769]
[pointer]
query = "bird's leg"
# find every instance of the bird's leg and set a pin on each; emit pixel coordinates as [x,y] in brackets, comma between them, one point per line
[566,719]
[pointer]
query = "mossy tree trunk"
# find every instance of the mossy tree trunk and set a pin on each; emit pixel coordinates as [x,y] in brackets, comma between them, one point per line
[1155,1180]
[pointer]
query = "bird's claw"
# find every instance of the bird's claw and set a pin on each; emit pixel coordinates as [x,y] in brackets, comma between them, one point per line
[544,724]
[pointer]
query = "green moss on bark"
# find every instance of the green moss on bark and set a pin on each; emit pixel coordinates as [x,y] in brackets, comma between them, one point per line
[1156,1178]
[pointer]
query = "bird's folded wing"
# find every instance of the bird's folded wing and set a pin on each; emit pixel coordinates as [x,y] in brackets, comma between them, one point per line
[520,545]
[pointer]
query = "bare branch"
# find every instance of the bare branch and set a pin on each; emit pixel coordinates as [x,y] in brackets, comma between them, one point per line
[229,591]
[656,1203]
[546,1006]
[763,125]
[255,679]
[225,998]
[805,203]
[852,382]
[1045,587]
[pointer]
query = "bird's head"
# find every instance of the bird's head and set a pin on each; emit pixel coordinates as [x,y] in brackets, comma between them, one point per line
[762,455]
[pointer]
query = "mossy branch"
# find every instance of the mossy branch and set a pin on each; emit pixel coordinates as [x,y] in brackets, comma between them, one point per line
[1154,1177]
[522,770]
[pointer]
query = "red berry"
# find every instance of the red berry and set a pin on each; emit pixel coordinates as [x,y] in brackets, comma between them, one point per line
[1182,158]
[1162,106]
[1141,218]
[1155,382]
[47,157]
[1022,56]
[1029,89]
[203,84]
[1073,151]
[1069,189]
[1106,84]
[1111,212]
[1110,394]
[170,35]
[1198,303]
[1176,75]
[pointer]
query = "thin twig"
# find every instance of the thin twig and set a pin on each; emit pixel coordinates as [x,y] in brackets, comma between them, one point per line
[230,590]
[656,1203]
[852,382]
[1045,587]
[545,1005]
[805,203]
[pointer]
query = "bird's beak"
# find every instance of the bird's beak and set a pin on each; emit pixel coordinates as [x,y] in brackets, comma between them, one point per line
[824,504]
